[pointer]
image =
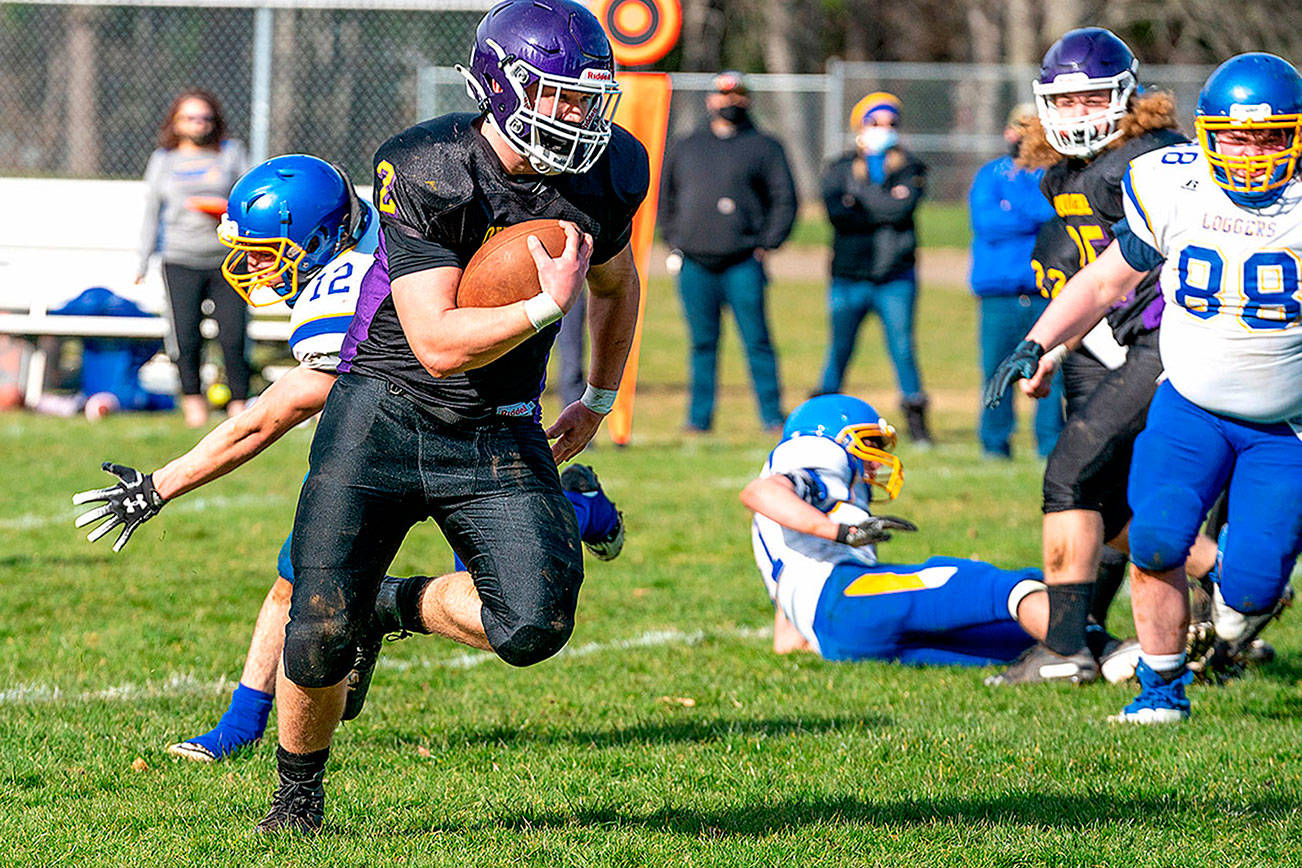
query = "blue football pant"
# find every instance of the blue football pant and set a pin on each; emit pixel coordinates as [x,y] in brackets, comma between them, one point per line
[1182,460]
[887,612]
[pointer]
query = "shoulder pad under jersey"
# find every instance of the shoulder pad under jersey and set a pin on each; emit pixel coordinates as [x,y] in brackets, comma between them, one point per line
[431,165]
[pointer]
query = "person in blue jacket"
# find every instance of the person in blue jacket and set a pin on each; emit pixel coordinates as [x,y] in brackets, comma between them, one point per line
[1007,210]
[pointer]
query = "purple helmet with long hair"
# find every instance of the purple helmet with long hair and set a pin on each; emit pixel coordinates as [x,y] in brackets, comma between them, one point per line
[1090,58]
[526,53]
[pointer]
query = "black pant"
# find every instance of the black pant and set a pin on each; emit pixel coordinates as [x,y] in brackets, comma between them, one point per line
[381,463]
[1106,410]
[186,289]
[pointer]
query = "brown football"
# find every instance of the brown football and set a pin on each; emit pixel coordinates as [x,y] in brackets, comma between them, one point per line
[502,270]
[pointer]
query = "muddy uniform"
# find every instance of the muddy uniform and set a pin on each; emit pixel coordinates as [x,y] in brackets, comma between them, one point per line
[396,446]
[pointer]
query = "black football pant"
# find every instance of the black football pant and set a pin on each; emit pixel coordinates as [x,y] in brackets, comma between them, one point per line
[380,463]
[1106,410]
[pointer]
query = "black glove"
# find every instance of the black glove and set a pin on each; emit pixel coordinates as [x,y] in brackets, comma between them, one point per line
[131,503]
[1021,364]
[873,529]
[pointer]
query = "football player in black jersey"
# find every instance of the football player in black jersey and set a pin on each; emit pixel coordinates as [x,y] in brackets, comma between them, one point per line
[1092,123]
[435,414]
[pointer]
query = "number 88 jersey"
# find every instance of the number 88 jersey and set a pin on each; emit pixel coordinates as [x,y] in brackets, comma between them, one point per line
[1231,332]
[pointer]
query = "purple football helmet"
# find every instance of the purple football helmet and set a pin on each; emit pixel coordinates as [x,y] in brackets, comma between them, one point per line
[1087,59]
[527,54]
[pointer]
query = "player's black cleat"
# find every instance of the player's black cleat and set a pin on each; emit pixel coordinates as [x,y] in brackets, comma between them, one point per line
[582,479]
[296,807]
[359,679]
[1039,664]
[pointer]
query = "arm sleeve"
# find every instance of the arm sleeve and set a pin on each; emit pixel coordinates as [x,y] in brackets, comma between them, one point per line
[413,239]
[239,159]
[990,207]
[1137,215]
[1002,210]
[823,465]
[1139,254]
[408,255]
[153,210]
[780,215]
[881,204]
[844,211]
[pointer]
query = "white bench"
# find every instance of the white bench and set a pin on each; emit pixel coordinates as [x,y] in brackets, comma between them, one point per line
[59,237]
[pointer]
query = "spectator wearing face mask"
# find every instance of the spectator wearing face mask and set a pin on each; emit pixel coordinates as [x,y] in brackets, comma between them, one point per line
[871,194]
[726,199]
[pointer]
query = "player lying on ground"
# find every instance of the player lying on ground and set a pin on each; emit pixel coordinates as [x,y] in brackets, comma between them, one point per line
[435,413]
[815,543]
[1223,221]
[277,212]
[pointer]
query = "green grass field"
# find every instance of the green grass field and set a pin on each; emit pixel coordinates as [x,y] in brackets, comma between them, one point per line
[666,734]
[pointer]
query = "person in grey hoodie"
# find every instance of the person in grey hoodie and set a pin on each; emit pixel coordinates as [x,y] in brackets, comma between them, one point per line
[187,181]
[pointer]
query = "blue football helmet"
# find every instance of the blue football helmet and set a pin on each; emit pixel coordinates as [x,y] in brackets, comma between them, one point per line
[1089,58]
[296,212]
[859,429]
[1252,93]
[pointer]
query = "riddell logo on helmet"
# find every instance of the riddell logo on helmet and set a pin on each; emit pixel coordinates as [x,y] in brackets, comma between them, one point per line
[597,75]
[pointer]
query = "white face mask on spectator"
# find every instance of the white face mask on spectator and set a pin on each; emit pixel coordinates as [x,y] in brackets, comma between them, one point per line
[875,140]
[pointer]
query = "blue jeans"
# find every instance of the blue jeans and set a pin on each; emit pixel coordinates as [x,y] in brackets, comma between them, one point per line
[848,302]
[1004,321]
[704,294]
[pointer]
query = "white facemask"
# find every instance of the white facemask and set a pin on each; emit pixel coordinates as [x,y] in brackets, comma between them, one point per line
[875,140]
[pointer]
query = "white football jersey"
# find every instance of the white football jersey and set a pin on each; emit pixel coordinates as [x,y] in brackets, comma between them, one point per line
[795,565]
[1231,335]
[324,310]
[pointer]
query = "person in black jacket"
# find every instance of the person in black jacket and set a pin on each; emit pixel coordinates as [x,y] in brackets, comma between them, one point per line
[727,198]
[871,194]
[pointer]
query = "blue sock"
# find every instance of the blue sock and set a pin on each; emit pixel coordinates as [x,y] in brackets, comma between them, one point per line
[243,723]
[596,515]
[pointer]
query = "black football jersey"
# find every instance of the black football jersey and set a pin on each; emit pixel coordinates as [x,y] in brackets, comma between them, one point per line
[1087,198]
[441,192]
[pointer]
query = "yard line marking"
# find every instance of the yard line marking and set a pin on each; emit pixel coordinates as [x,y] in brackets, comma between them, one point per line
[649,639]
[185,684]
[190,504]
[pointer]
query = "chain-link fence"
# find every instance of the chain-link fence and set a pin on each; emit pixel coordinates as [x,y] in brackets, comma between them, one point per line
[953,112]
[83,87]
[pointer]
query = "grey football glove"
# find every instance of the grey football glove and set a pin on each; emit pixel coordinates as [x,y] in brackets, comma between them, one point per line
[873,529]
[1021,364]
[129,504]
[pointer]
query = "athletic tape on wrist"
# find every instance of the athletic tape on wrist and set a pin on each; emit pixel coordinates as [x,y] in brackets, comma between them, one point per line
[542,311]
[1056,355]
[599,400]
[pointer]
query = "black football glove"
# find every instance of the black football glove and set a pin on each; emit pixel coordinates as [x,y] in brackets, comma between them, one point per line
[1021,364]
[873,529]
[130,503]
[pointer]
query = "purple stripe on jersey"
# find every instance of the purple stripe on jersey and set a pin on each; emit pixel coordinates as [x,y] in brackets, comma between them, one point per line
[1153,313]
[374,290]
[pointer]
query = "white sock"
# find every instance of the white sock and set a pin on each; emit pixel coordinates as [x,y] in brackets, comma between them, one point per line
[1162,663]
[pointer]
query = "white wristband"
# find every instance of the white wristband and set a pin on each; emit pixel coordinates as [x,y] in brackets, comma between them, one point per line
[542,311]
[599,400]
[1056,355]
